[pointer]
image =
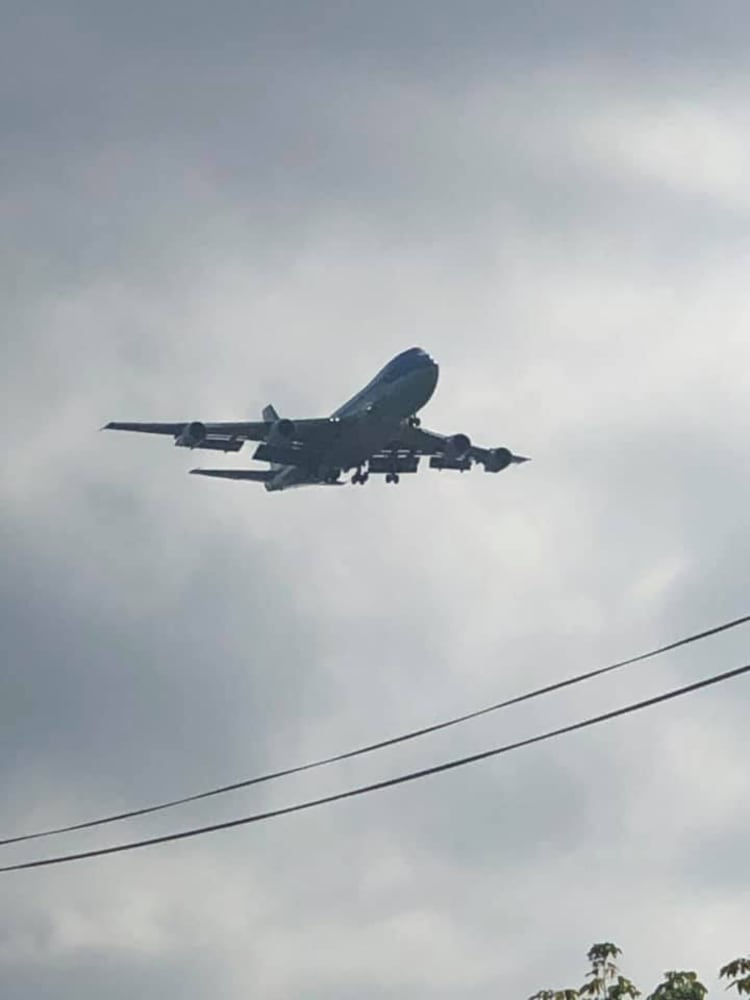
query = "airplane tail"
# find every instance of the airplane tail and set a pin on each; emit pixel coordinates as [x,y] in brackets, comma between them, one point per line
[270,415]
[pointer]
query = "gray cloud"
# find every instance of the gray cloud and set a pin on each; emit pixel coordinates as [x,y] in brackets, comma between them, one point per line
[204,212]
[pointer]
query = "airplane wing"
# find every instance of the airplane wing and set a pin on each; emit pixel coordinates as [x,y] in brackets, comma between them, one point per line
[455,451]
[230,436]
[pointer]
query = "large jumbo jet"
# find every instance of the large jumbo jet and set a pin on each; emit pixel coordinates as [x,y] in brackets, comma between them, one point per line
[376,432]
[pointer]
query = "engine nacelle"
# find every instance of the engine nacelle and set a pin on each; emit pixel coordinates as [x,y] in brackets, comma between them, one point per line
[498,459]
[192,436]
[457,447]
[281,433]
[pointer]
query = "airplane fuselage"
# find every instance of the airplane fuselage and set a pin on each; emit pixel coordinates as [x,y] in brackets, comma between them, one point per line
[369,421]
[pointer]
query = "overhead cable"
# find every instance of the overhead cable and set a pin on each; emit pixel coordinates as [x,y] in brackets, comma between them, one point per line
[381,744]
[380,785]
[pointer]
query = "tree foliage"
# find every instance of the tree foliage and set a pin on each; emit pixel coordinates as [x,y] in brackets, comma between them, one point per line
[604,979]
[605,982]
[679,986]
[738,972]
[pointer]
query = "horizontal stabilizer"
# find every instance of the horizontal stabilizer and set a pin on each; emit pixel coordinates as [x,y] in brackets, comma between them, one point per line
[249,475]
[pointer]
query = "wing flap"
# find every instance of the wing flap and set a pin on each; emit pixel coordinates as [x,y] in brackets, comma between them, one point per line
[249,475]
[221,444]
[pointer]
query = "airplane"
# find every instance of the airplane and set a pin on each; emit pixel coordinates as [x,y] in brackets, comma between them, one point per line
[377,432]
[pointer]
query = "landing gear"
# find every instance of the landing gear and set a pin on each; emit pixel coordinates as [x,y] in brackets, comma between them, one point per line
[393,477]
[414,422]
[360,478]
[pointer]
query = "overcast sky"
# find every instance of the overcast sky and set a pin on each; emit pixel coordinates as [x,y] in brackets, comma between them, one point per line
[206,208]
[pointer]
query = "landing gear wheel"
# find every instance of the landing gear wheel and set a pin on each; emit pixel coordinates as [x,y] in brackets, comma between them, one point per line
[393,477]
[360,478]
[414,421]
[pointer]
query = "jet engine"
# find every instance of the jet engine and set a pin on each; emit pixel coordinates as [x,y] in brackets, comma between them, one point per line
[281,433]
[192,435]
[457,447]
[497,460]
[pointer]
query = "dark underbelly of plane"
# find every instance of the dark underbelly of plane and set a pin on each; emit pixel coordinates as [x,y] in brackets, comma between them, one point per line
[366,437]
[352,446]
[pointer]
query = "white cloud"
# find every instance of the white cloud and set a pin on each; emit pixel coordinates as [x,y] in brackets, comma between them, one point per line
[692,147]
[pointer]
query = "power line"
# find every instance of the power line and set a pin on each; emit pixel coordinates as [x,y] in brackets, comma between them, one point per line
[379,785]
[381,744]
